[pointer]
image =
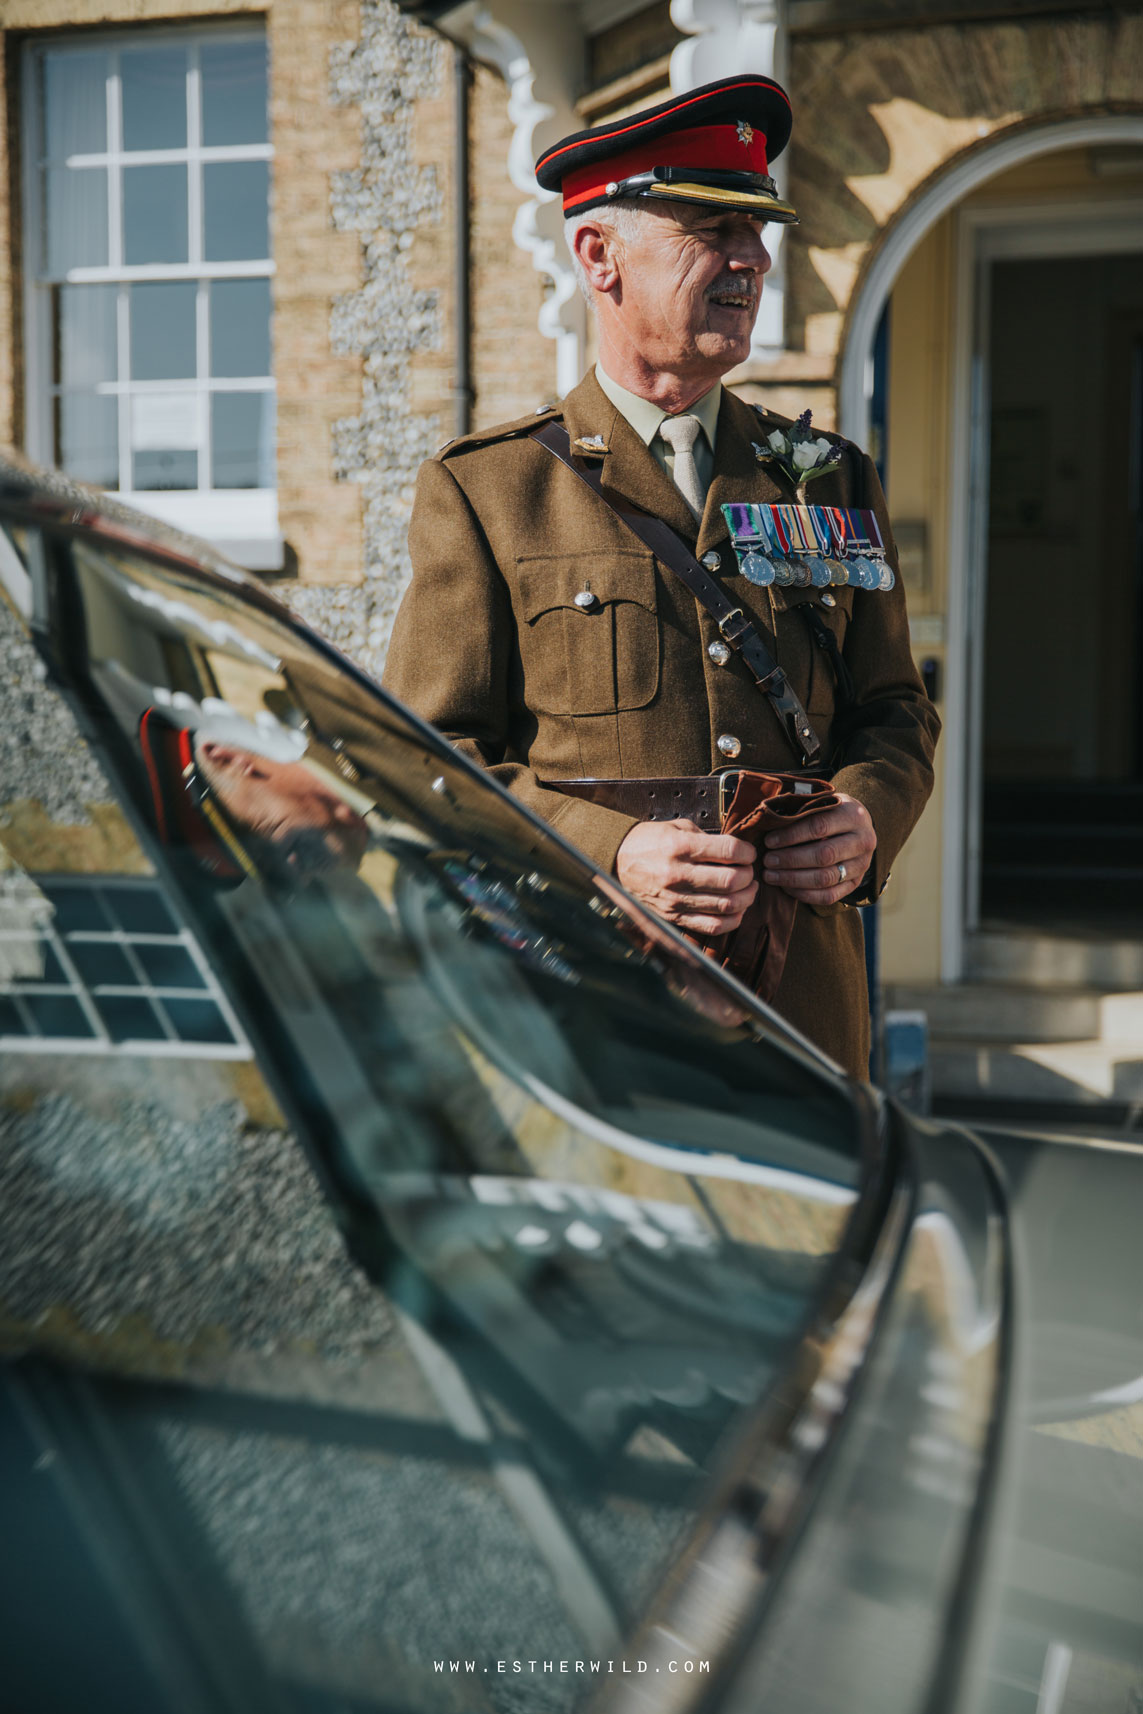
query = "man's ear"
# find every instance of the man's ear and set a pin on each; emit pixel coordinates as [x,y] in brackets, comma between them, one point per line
[596,251]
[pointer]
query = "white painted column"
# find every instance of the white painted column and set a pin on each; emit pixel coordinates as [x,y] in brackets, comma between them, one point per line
[726,37]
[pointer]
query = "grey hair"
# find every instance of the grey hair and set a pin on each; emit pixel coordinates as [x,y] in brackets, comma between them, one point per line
[623,220]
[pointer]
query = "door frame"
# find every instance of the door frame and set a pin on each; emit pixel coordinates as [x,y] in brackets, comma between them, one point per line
[987,234]
[949,188]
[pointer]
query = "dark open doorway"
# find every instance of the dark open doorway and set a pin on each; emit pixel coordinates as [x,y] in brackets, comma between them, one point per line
[1062,810]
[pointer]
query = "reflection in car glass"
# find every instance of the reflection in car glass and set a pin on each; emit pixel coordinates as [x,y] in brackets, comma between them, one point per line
[597,1200]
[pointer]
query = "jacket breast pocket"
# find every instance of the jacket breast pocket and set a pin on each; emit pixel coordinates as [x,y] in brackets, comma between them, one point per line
[595,655]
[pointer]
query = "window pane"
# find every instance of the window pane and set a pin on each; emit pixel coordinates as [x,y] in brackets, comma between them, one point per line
[154,98]
[57,1015]
[197,1020]
[236,210]
[140,910]
[75,907]
[102,961]
[234,92]
[163,331]
[85,335]
[161,422]
[154,214]
[75,104]
[170,966]
[240,327]
[75,218]
[155,472]
[10,1023]
[87,438]
[129,1019]
[242,444]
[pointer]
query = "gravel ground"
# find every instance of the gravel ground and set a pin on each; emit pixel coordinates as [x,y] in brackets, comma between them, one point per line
[185,1230]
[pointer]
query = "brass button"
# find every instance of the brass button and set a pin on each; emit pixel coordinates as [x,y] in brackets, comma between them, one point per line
[712,560]
[829,600]
[585,599]
[729,745]
[719,653]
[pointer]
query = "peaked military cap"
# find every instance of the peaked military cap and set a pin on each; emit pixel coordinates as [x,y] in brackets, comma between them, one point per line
[187,814]
[711,146]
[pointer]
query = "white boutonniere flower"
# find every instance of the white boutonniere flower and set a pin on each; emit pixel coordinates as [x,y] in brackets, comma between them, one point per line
[800,454]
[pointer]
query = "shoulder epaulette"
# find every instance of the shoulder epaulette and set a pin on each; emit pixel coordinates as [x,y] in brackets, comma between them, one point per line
[498,432]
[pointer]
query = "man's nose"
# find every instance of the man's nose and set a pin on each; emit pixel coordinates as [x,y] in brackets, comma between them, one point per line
[750,252]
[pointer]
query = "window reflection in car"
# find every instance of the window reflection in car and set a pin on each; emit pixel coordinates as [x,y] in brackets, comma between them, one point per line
[599,1193]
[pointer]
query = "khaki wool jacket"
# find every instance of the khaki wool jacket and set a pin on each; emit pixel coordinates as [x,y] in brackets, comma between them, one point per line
[490,646]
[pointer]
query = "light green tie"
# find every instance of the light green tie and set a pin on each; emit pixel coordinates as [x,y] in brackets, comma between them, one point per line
[680,434]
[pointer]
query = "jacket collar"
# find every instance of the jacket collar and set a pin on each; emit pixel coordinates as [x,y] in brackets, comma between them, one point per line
[629,468]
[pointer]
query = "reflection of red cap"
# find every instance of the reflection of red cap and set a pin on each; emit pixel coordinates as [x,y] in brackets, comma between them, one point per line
[186,811]
[710,146]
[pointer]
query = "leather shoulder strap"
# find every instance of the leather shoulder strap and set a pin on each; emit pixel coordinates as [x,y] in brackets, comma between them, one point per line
[732,622]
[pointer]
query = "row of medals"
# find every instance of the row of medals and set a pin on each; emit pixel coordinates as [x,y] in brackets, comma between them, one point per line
[861,570]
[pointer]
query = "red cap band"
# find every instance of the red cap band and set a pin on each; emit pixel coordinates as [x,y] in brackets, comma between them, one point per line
[721,148]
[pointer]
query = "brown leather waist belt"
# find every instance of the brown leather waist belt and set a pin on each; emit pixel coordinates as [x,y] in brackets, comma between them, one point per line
[749,805]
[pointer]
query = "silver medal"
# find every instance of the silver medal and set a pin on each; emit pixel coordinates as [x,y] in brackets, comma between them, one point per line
[757,568]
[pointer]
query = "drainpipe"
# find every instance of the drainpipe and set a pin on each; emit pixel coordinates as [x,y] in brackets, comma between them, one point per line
[462,390]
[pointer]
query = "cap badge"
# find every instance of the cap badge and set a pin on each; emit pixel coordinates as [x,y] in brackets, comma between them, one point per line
[592,443]
[745,133]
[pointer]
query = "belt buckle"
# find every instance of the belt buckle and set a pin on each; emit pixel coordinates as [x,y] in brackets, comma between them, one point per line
[728,779]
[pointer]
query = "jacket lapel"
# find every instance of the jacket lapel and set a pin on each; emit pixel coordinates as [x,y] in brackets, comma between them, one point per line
[737,473]
[628,469]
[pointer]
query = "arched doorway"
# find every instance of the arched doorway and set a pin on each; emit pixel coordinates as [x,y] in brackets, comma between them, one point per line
[1003,221]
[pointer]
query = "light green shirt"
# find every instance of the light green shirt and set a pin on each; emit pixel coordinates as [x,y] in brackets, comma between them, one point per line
[645,418]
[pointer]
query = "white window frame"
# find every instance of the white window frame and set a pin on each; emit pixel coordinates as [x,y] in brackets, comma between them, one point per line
[45,932]
[241,522]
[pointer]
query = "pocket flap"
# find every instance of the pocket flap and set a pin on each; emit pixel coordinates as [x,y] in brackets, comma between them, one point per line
[554,580]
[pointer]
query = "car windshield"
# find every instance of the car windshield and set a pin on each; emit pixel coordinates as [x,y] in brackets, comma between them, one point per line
[598,1192]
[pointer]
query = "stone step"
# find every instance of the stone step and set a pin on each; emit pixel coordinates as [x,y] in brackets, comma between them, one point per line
[975,1056]
[1065,1073]
[991,1012]
[1014,957]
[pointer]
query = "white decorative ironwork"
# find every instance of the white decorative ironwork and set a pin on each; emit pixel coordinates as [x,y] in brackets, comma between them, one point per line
[538,50]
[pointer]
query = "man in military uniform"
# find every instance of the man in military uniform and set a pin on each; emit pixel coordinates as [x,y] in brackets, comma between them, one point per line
[549,643]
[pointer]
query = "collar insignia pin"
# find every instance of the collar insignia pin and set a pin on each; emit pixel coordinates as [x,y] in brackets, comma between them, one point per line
[592,443]
[745,133]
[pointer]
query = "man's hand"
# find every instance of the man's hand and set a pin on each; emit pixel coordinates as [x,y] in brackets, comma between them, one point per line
[823,858]
[703,882]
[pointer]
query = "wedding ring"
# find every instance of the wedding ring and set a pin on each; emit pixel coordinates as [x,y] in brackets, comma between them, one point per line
[840,873]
